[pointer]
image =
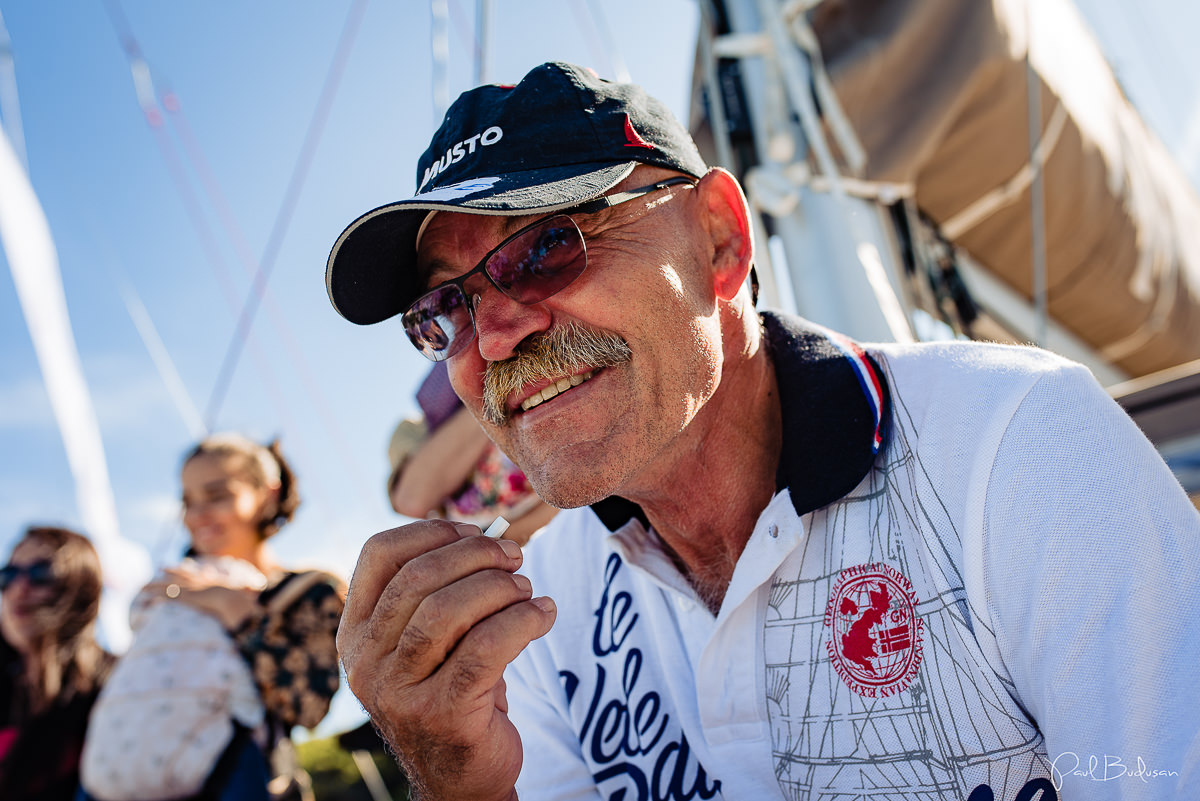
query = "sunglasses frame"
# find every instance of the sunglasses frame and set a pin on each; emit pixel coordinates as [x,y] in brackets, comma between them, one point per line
[10,573]
[591,207]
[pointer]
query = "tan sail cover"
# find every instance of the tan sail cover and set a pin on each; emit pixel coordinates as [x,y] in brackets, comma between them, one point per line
[936,91]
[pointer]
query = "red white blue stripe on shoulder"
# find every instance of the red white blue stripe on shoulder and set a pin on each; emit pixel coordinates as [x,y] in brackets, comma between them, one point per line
[868,379]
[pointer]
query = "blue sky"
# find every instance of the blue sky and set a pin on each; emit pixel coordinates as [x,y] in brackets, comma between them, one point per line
[248,77]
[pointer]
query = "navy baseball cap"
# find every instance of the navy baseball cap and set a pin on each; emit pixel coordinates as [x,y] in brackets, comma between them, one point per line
[560,137]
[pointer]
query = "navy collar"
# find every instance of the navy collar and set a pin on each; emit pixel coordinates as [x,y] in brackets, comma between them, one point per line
[835,407]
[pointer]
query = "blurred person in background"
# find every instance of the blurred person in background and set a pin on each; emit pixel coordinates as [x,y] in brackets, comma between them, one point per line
[282,622]
[51,666]
[443,465]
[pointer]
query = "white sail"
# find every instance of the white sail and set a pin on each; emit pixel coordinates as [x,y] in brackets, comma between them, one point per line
[33,261]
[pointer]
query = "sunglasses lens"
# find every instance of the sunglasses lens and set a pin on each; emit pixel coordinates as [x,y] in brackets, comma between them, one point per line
[39,574]
[439,323]
[539,262]
[529,268]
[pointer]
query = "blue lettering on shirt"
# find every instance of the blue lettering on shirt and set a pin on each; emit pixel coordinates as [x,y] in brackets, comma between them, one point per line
[1039,789]
[625,730]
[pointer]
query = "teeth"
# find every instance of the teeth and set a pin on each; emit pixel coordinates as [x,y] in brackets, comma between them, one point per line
[562,385]
[531,401]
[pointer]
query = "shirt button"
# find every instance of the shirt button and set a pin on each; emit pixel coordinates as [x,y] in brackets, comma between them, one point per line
[773,531]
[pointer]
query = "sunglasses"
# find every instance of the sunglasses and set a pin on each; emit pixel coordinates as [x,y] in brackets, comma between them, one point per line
[39,574]
[533,264]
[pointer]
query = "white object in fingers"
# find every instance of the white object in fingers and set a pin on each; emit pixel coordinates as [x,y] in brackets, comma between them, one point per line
[497,528]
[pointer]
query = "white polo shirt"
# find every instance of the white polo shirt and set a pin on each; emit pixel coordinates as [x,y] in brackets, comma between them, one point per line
[999,600]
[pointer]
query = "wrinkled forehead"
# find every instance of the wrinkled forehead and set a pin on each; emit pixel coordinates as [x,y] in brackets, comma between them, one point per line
[451,243]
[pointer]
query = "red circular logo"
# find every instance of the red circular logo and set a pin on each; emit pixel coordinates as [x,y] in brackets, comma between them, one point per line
[875,637]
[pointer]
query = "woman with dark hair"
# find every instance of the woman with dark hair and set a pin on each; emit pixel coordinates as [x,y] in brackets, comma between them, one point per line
[51,666]
[230,651]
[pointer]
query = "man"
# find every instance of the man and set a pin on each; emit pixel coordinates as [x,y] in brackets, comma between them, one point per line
[794,567]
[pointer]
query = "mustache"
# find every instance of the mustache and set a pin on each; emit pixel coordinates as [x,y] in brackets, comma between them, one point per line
[548,355]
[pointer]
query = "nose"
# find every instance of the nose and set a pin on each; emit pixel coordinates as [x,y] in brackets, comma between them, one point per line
[501,323]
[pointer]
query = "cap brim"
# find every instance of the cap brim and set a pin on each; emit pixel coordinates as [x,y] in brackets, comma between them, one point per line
[371,273]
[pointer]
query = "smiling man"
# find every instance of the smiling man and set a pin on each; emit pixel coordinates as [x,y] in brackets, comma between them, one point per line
[794,566]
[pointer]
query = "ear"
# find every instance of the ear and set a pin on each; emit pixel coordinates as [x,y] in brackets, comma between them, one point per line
[732,241]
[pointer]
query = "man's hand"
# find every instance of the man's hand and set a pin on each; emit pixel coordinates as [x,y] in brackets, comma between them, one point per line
[434,615]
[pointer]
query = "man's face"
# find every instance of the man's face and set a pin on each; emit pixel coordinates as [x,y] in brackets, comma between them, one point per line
[647,283]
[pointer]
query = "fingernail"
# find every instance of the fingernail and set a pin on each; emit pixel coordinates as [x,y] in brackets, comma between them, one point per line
[466,529]
[511,549]
[523,584]
[544,603]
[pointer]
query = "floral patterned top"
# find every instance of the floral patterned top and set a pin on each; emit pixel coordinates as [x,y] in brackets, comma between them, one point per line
[497,487]
[292,651]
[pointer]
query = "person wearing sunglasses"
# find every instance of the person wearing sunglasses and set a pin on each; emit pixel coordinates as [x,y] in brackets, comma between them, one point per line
[51,666]
[790,565]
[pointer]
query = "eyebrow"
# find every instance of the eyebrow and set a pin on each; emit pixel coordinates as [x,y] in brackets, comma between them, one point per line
[509,224]
[514,223]
[435,267]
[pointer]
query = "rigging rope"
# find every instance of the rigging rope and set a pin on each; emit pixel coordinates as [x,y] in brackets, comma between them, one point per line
[329,420]
[284,218]
[148,96]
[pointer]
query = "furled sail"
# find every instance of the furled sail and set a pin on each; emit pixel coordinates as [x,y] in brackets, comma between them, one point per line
[937,93]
